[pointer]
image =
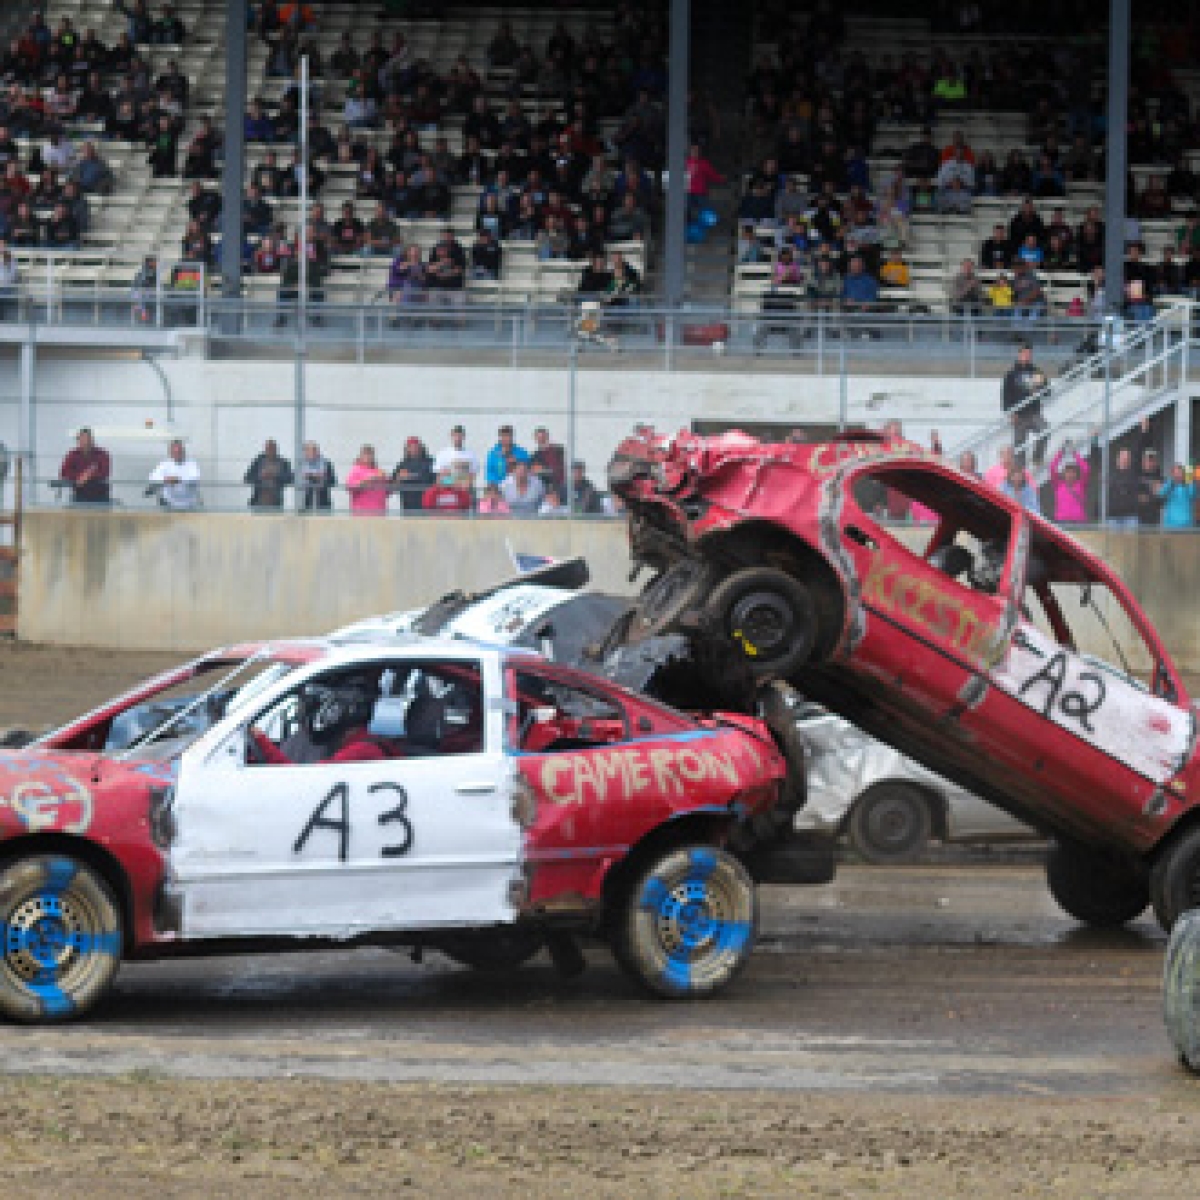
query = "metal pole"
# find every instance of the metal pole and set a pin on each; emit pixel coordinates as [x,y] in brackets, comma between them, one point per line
[302,306]
[1114,191]
[1183,402]
[233,168]
[571,396]
[843,399]
[674,264]
[1105,442]
[26,434]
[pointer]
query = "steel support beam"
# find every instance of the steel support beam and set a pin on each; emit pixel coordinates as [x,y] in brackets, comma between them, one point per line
[1117,159]
[675,249]
[232,184]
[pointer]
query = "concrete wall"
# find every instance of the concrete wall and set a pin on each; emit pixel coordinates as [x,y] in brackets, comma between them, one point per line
[180,582]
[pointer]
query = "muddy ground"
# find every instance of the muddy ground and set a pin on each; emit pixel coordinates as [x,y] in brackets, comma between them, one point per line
[934,1031]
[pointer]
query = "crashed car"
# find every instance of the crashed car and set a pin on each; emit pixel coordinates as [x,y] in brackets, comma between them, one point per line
[418,792]
[983,642]
[886,806]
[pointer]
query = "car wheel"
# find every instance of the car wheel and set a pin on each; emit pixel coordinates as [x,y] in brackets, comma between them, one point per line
[890,824]
[1093,887]
[62,938]
[1175,878]
[688,922]
[1181,989]
[495,952]
[770,616]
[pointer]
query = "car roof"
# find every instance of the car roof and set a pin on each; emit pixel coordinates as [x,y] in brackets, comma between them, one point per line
[364,646]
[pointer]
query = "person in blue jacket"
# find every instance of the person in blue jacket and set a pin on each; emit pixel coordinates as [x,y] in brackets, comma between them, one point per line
[1178,495]
[502,455]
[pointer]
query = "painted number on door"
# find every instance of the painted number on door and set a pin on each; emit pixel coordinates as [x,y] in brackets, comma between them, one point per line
[332,816]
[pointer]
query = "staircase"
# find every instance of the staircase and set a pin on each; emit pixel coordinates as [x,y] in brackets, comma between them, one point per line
[1109,392]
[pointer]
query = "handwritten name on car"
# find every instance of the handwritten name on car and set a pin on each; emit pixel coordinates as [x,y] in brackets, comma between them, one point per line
[618,775]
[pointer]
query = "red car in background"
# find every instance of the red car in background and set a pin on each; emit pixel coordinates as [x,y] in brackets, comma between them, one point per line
[984,642]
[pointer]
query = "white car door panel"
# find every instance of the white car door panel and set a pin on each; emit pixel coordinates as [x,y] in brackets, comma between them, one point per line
[344,848]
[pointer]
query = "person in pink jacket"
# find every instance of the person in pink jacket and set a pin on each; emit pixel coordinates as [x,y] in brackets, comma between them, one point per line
[701,175]
[1070,486]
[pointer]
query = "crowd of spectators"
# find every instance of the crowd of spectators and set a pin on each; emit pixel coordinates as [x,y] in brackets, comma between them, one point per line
[60,90]
[817,110]
[509,479]
[546,177]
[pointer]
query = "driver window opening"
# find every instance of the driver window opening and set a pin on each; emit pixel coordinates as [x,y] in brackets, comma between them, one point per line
[371,712]
[552,715]
[956,530]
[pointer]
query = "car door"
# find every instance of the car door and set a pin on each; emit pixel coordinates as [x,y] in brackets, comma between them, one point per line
[423,839]
[928,632]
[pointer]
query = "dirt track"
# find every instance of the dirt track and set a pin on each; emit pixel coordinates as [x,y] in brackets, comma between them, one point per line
[927,1032]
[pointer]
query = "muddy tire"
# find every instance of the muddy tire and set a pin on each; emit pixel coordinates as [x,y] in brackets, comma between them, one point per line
[890,824]
[496,952]
[686,926]
[1093,887]
[1175,878]
[62,938]
[770,616]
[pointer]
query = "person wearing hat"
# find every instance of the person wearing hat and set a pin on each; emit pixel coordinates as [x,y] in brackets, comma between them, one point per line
[457,458]
[414,473]
[503,454]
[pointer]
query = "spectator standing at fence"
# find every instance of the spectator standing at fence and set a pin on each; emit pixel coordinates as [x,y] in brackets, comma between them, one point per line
[86,470]
[585,498]
[176,480]
[548,461]
[492,503]
[414,473]
[1178,498]
[1017,485]
[457,458]
[316,479]
[9,283]
[502,455]
[367,485]
[267,476]
[448,493]
[1019,398]
[1123,486]
[1069,485]
[1150,482]
[523,491]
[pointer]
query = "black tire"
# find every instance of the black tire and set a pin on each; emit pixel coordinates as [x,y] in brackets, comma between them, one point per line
[1093,887]
[770,616]
[890,824]
[495,952]
[62,938]
[687,924]
[1175,878]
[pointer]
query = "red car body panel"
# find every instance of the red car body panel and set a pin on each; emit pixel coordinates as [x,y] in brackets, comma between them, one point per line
[959,678]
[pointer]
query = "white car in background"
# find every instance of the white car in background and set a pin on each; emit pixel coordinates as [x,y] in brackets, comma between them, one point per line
[888,807]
